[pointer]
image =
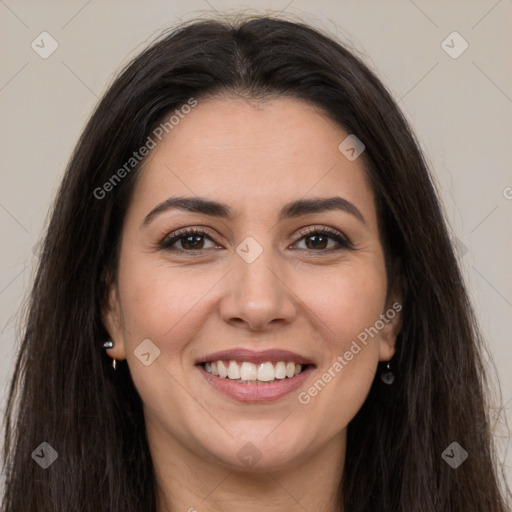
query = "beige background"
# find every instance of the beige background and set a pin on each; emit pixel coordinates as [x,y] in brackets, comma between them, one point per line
[460,109]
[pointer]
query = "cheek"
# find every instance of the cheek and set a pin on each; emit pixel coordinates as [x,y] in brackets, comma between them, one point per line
[158,302]
[163,305]
[345,314]
[351,301]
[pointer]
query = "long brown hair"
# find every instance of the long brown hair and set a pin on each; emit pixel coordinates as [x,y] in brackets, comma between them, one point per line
[63,391]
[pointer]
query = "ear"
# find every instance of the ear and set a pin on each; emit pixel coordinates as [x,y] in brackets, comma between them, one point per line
[111,316]
[392,319]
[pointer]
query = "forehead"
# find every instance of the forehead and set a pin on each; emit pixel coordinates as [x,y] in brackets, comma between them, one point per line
[253,154]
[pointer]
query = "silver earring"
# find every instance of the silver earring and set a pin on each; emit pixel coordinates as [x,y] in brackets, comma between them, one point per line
[109,344]
[387,376]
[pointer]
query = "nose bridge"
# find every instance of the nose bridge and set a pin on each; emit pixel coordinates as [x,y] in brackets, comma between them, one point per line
[257,282]
[257,291]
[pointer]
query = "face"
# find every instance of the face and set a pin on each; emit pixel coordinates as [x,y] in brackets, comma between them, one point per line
[260,281]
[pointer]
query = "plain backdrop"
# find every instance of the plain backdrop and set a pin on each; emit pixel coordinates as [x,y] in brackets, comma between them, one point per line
[459,106]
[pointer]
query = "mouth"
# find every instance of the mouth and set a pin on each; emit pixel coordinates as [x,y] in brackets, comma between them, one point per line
[255,376]
[246,372]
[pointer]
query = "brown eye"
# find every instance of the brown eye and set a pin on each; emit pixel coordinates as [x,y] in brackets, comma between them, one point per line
[192,242]
[319,239]
[189,240]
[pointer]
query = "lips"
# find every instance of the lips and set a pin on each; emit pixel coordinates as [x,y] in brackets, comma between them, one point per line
[250,376]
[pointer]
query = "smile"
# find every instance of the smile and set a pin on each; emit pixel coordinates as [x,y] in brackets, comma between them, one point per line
[250,373]
[255,377]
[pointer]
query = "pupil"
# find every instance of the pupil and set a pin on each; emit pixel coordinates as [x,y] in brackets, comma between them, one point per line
[189,240]
[317,243]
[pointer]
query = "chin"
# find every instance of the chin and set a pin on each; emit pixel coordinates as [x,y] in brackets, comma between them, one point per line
[261,451]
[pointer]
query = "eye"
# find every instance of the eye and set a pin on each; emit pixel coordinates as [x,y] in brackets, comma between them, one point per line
[317,239]
[190,239]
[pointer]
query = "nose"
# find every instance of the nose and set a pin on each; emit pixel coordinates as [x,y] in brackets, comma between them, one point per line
[258,296]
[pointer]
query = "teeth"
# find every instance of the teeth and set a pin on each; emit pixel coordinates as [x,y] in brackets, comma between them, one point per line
[223,371]
[248,373]
[266,372]
[233,371]
[280,370]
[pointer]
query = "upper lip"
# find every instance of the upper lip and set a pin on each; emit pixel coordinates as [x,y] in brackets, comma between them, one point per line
[251,356]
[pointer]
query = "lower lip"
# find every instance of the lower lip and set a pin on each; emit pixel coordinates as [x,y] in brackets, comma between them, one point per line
[256,392]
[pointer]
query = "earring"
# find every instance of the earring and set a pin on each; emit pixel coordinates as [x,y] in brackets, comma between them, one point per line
[109,344]
[387,376]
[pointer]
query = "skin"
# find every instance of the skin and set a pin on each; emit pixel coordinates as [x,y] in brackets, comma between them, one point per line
[255,157]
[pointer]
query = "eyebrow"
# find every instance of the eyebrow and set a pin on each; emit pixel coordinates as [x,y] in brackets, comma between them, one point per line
[221,210]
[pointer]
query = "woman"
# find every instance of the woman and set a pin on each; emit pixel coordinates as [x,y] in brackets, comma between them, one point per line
[247,230]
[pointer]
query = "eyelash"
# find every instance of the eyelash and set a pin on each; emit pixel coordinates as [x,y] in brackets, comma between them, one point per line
[344,243]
